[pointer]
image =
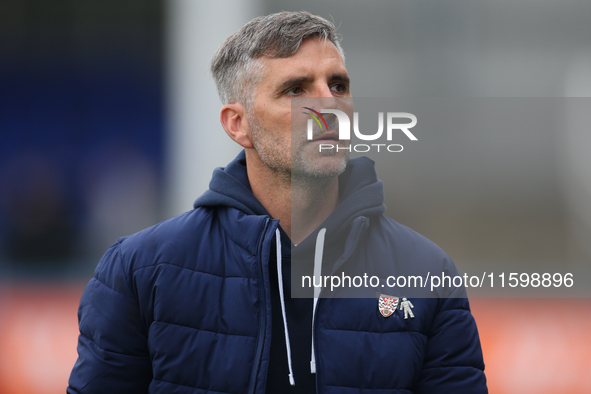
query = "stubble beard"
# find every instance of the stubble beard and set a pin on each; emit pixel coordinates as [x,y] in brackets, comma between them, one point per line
[290,161]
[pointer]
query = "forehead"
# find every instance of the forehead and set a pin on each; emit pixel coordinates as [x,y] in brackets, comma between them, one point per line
[315,58]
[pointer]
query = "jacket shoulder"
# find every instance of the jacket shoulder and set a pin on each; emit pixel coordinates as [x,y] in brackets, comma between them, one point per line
[406,242]
[180,239]
[405,252]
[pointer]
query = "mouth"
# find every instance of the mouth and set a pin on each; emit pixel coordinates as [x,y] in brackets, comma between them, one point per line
[330,136]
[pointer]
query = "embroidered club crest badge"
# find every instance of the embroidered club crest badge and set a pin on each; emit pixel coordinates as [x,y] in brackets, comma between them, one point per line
[387,304]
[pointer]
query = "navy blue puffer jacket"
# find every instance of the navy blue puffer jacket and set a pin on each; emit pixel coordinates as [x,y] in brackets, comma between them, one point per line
[185,306]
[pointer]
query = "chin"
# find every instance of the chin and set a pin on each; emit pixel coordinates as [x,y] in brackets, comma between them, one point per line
[321,168]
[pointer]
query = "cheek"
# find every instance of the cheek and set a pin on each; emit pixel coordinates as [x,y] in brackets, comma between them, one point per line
[266,117]
[274,117]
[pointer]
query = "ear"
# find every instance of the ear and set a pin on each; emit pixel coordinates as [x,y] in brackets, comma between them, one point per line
[233,119]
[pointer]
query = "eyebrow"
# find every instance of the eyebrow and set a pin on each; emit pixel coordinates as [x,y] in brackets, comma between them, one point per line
[298,80]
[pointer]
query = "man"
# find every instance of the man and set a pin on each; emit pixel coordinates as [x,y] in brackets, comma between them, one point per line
[200,303]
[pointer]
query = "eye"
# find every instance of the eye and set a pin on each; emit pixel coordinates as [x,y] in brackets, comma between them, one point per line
[339,88]
[294,91]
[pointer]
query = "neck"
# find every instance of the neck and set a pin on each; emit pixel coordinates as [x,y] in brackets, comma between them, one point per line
[313,200]
[301,204]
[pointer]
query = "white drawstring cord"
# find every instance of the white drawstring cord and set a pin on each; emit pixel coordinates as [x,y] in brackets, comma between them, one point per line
[317,275]
[282,298]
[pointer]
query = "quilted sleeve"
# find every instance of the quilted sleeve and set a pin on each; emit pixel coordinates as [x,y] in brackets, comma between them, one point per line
[112,345]
[453,360]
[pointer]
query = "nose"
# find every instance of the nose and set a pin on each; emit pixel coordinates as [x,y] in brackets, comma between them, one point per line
[325,97]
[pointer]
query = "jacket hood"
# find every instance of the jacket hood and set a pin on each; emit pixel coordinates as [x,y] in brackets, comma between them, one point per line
[361,194]
[229,187]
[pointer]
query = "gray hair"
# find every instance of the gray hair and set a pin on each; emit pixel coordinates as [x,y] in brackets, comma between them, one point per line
[236,66]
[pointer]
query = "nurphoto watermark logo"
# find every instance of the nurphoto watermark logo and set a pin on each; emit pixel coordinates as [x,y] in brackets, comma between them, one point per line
[392,126]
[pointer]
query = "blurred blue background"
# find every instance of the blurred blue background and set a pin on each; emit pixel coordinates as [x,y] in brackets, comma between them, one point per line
[81,122]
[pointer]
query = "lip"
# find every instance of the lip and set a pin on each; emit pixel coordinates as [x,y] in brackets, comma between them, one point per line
[329,136]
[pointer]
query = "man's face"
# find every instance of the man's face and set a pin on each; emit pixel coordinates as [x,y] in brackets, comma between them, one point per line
[316,70]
